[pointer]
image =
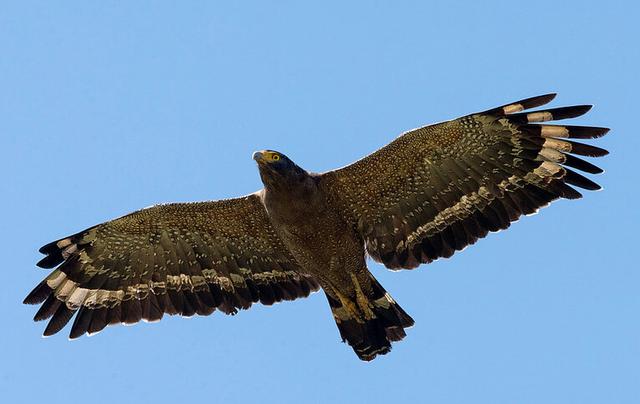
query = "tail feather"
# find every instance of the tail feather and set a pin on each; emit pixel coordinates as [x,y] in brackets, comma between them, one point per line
[373,336]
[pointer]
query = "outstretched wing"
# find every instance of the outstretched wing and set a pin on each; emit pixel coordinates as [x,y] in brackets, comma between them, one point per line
[183,258]
[436,189]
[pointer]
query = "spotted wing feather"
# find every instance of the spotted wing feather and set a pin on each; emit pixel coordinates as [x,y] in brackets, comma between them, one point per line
[439,188]
[186,259]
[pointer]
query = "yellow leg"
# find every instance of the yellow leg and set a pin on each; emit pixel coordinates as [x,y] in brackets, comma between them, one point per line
[349,310]
[361,299]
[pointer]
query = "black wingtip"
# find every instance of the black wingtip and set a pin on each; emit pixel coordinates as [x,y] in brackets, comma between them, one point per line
[582,165]
[521,105]
[586,132]
[81,323]
[537,101]
[596,132]
[51,260]
[544,99]
[578,180]
[49,247]
[573,111]
[48,308]
[39,294]
[583,149]
[58,321]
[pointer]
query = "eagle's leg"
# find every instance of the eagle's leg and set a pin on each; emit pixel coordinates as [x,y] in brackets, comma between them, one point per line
[349,309]
[362,301]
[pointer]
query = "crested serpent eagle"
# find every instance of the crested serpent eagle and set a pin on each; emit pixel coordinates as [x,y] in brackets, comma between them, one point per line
[429,193]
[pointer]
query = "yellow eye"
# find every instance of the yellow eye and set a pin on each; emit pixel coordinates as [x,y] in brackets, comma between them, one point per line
[275,157]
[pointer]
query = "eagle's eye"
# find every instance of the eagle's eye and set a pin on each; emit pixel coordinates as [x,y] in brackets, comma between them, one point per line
[275,157]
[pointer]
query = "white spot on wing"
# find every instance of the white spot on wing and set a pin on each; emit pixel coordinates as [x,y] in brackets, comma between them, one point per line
[539,116]
[554,131]
[510,109]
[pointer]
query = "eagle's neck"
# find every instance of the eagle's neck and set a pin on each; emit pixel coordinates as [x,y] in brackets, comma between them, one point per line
[294,188]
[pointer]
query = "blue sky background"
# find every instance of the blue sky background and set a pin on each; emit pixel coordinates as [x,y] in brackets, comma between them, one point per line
[112,106]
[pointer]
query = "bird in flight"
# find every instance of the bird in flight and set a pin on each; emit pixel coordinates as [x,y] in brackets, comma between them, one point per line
[427,194]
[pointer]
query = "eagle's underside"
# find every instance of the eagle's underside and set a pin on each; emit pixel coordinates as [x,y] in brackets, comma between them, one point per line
[430,192]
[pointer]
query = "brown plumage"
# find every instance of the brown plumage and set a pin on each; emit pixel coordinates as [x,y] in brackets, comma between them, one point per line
[431,192]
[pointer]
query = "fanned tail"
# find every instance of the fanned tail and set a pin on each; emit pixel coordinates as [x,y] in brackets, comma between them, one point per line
[371,334]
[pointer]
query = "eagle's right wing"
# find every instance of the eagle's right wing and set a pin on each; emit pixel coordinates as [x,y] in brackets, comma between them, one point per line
[436,189]
[182,258]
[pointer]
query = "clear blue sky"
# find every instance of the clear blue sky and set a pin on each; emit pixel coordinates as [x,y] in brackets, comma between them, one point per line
[110,107]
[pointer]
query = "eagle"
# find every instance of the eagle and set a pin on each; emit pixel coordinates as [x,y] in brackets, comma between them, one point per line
[430,192]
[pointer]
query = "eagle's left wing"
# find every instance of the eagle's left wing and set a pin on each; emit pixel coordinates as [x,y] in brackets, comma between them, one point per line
[436,189]
[182,258]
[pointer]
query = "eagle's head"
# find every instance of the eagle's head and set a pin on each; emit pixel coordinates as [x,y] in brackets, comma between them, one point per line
[273,160]
[277,170]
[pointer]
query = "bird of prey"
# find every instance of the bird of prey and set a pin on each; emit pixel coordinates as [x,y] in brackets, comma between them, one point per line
[427,194]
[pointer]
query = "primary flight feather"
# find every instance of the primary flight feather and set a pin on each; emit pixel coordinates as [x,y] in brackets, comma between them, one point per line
[431,192]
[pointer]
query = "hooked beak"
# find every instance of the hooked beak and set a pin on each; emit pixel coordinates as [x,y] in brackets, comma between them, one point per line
[258,156]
